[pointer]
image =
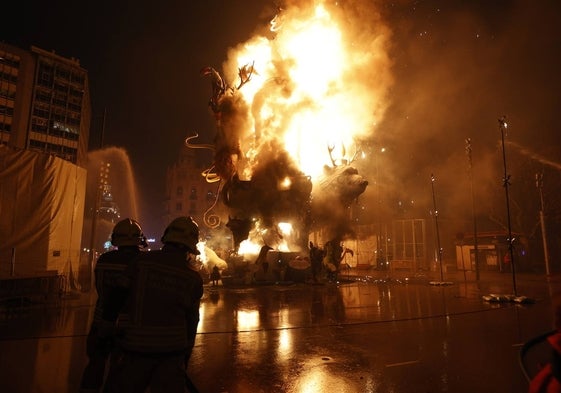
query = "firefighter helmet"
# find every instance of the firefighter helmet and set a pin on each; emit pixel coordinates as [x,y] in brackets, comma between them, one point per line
[185,231]
[127,232]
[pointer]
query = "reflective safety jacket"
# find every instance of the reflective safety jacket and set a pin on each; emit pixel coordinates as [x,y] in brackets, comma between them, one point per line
[162,312]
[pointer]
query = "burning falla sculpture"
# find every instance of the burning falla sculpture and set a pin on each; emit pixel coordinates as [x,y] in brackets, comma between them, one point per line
[275,190]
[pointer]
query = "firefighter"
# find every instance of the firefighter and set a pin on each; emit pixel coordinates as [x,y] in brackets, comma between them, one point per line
[161,315]
[110,279]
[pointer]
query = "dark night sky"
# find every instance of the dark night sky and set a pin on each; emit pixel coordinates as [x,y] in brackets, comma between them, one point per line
[458,65]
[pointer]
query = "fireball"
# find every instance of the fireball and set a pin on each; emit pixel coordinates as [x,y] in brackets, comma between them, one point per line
[311,89]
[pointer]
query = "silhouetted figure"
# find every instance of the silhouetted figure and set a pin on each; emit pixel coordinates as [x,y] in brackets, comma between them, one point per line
[215,275]
[110,280]
[316,257]
[262,258]
[161,316]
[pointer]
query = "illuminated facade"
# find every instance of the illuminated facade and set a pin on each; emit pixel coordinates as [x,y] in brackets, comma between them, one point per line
[187,191]
[44,103]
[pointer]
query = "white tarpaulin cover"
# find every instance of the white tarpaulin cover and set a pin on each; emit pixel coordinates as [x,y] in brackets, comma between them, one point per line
[41,214]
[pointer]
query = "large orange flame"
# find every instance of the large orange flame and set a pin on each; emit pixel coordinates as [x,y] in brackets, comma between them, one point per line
[318,82]
[314,87]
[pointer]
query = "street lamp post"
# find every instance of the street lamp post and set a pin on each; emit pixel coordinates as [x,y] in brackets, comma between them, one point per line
[475,248]
[436,227]
[539,185]
[506,183]
[378,152]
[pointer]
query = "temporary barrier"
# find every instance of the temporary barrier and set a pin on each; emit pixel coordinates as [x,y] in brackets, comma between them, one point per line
[41,215]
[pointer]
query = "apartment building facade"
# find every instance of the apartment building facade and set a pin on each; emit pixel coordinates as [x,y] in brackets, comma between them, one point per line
[44,103]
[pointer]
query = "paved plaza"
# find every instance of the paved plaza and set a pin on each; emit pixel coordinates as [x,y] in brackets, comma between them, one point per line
[371,332]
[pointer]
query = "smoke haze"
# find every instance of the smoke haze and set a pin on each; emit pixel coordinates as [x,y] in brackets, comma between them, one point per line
[458,67]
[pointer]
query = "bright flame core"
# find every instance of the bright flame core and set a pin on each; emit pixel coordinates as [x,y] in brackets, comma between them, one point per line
[319,82]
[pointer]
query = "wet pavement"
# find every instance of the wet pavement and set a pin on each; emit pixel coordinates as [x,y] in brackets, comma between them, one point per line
[372,332]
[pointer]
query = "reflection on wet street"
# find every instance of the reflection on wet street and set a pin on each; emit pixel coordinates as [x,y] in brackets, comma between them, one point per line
[356,336]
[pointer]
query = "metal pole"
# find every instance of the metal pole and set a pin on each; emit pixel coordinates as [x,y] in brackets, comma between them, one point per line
[377,213]
[539,185]
[506,183]
[386,260]
[473,209]
[436,226]
[463,261]
[13,263]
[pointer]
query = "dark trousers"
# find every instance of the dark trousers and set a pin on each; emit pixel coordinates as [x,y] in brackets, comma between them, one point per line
[136,372]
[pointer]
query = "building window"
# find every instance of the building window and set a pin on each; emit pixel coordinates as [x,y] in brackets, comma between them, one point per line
[42,96]
[179,191]
[77,78]
[35,144]
[7,93]
[8,77]
[39,128]
[41,112]
[193,209]
[193,195]
[76,93]
[5,127]
[178,206]
[64,74]
[9,60]
[45,78]
[6,110]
